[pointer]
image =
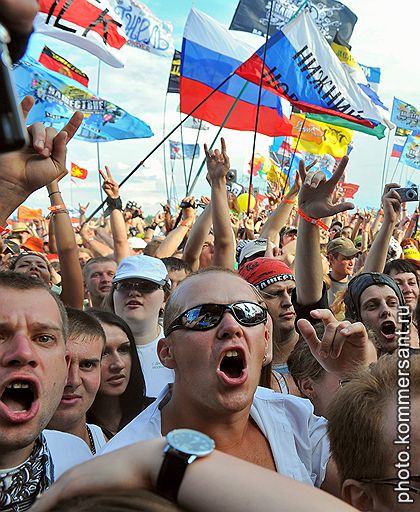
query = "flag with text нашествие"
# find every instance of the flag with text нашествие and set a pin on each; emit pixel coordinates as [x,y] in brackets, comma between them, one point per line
[58,97]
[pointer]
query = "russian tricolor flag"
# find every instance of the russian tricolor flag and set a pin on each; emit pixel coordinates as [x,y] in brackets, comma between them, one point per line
[397,148]
[210,53]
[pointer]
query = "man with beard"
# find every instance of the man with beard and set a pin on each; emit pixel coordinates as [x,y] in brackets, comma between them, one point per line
[276,281]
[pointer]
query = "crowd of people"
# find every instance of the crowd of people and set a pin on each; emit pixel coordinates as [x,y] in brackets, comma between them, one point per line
[213,361]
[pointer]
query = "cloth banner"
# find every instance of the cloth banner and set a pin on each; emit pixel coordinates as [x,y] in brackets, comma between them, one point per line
[411,153]
[405,115]
[330,16]
[58,97]
[78,172]
[59,64]
[26,214]
[178,151]
[89,24]
[301,67]
[398,146]
[210,53]
[143,29]
[334,140]
[175,73]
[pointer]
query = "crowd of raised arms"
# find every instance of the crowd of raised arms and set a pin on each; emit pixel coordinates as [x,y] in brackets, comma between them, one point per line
[202,362]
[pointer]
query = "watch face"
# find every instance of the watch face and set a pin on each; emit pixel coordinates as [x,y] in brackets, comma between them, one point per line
[191,442]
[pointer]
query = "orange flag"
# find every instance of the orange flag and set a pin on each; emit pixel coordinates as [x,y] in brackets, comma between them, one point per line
[78,172]
[311,131]
[25,214]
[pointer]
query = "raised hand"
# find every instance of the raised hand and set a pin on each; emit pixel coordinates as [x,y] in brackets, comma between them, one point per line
[218,163]
[316,196]
[344,346]
[188,213]
[391,203]
[41,162]
[110,186]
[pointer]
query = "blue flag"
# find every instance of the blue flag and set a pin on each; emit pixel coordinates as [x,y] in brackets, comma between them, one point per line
[411,153]
[178,151]
[58,97]
[405,115]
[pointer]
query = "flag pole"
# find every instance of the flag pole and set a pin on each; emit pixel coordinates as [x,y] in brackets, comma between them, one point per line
[193,158]
[164,149]
[98,158]
[166,137]
[258,106]
[217,135]
[386,162]
[293,155]
[184,168]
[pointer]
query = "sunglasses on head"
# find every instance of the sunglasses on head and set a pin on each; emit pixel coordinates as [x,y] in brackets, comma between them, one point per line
[139,286]
[206,316]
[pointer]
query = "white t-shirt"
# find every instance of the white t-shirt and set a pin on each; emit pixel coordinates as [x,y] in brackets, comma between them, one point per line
[156,376]
[98,436]
[66,450]
[298,438]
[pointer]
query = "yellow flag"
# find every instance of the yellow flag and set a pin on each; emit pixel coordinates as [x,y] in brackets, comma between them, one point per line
[335,140]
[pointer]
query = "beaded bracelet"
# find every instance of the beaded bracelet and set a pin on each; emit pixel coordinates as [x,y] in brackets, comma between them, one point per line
[317,222]
[57,207]
[4,231]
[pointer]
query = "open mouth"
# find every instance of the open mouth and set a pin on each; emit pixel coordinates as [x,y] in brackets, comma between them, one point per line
[18,400]
[133,303]
[232,368]
[388,330]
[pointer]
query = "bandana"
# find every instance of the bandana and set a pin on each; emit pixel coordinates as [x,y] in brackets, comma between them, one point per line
[358,285]
[262,272]
[20,486]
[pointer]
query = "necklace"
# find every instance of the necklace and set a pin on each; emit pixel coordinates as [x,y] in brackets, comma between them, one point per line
[91,441]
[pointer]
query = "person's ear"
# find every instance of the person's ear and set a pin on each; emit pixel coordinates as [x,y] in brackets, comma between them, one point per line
[358,495]
[165,353]
[306,386]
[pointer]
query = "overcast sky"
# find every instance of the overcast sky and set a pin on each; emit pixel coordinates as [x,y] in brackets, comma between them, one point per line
[385,36]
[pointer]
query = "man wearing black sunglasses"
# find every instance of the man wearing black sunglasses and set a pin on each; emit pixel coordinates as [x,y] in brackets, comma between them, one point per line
[216,341]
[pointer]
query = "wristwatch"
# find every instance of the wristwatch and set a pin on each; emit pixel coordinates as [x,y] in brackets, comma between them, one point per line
[183,448]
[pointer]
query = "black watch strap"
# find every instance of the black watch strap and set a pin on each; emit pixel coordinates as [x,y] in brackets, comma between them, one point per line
[171,474]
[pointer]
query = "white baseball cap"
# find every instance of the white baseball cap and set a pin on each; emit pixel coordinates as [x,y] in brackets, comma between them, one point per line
[142,267]
[136,243]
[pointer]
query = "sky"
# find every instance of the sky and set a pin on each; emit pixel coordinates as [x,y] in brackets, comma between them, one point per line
[385,36]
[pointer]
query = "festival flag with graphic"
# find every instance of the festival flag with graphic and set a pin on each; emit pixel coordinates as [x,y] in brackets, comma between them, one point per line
[334,140]
[210,53]
[411,153]
[349,189]
[405,115]
[330,16]
[58,97]
[91,25]
[306,130]
[78,172]
[178,151]
[301,67]
[59,64]
[143,28]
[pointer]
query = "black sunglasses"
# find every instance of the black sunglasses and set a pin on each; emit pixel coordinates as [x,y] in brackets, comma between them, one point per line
[206,316]
[140,286]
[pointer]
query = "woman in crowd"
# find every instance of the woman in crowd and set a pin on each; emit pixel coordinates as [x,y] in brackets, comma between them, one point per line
[121,395]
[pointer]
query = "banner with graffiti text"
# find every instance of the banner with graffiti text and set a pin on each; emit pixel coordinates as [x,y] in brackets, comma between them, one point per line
[58,97]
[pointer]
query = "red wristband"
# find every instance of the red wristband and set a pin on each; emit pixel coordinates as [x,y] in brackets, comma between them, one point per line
[289,201]
[317,222]
[57,207]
